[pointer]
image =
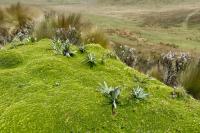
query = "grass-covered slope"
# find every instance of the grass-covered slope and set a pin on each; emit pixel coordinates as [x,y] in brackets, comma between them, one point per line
[44,92]
[149,2]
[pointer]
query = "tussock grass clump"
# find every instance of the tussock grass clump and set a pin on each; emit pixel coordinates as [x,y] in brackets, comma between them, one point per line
[70,27]
[190,79]
[4,35]
[44,29]
[97,36]
[180,93]
[60,26]
[15,19]
[1,15]
[73,20]
[19,13]
[156,73]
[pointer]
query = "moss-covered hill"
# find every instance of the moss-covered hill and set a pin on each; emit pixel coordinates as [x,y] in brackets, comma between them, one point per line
[44,92]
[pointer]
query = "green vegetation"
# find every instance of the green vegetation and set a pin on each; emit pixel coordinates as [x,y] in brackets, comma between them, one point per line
[70,27]
[90,60]
[16,23]
[44,92]
[112,93]
[62,48]
[139,94]
[178,36]
[10,59]
[191,79]
[44,29]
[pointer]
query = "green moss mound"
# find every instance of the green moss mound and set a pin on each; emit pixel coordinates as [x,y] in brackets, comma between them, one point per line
[53,93]
[50,68]
[9,59]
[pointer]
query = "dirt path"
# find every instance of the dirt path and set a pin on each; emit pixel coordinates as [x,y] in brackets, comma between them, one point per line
[185,23]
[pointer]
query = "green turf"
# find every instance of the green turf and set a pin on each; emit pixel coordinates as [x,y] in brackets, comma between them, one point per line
[41,92]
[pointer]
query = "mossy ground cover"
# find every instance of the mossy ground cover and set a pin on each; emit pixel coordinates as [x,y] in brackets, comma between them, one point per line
[44,92]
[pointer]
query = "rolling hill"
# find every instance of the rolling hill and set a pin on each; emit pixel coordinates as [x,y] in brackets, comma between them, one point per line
[44,92]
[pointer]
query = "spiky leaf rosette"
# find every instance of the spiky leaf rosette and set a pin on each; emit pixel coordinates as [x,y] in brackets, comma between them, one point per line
[139,93]
[90,60]
[111,92]
[114,95]
[105,89]
[57,46]
[82,49]
[66,48]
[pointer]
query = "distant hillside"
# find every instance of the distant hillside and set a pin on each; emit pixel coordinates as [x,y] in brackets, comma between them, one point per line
[124,2]
[147,2]
[42,1]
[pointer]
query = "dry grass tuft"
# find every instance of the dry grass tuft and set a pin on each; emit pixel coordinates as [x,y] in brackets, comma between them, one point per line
[190,79]
[73,20]
[20,14]
[96,35]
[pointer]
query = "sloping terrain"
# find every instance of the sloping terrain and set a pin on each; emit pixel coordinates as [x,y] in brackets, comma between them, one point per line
[123,2]
[149,2]
[44,92]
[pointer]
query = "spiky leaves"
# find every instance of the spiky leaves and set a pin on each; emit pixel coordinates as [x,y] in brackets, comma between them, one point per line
[139,93]
[82,49]
[105,89]
[63,48]
[91,60]
[18,40]
[112,93]
[56,45]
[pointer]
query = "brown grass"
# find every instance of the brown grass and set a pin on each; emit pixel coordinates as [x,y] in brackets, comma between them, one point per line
[1,15]
[190,79]
[97,36]
[20,14]
[44,29]
[156,73]
[166,19]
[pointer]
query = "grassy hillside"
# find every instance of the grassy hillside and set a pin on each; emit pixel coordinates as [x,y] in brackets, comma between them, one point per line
[43,1]
[146,2]
[155,34]
[133,2]
[44,92]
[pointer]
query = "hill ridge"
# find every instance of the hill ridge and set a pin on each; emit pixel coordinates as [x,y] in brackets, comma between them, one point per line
[44,92]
